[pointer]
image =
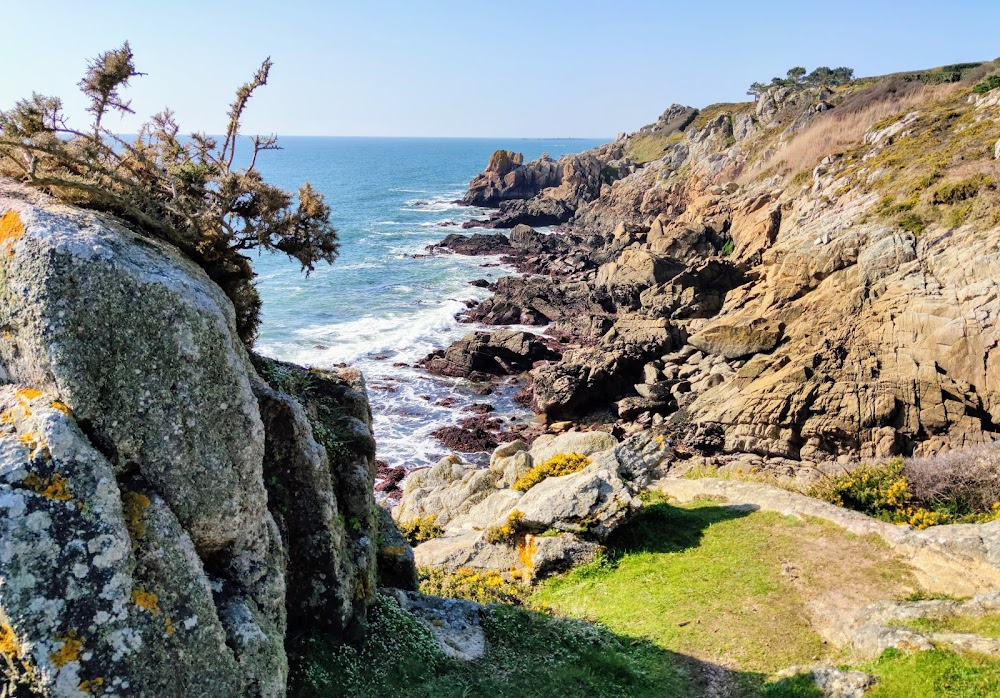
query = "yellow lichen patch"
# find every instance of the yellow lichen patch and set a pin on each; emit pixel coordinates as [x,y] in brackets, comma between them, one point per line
[69,652]
[147,601]
[26,394]
[11,227]
[8,416]
[135,505]
[9,646]
[90,685]
[169,624]
[61,406]
[56,487]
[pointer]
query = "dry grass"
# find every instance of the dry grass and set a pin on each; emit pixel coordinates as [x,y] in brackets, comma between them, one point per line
[844,127]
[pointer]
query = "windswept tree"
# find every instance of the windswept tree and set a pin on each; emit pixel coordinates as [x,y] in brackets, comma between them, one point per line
[185,191]
[798,78]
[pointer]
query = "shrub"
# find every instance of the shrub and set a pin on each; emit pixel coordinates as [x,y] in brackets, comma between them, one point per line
[484,587]
[421,529]
[508,531]
[964,482]
[559,464]
[913,223]
[185,191]
[988,85]
[955,192]
[963,487]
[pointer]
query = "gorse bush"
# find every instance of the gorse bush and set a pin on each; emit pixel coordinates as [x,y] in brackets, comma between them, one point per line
[988,85]
[560,464]
[507,532]
[920,492]
[185,191]
[482,586]
[955,192]
[421,529]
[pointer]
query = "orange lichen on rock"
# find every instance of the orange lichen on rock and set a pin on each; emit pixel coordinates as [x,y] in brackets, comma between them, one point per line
[25,394]
[9,646]
[55,487]
[61,406]
[169,626]
[69,652]
[11,229]
[526,550]
[147,601]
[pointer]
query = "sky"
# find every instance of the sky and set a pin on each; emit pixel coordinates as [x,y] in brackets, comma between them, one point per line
[512,68]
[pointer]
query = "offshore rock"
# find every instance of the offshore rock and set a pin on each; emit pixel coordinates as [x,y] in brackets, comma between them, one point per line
[507,177]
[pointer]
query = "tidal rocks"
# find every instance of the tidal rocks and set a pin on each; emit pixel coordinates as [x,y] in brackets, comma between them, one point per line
[484,355]
[593,377]
[476,244]
[472,439]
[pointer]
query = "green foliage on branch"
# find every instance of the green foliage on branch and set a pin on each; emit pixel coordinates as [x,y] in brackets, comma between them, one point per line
[184,191]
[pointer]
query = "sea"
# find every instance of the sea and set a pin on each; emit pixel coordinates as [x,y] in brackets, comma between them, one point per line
[387,301]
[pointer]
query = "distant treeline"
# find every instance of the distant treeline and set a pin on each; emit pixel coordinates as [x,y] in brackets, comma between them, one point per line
[799,78]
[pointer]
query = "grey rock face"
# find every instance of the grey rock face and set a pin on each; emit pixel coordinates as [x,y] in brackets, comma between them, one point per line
[138,551]
[142,346]
[102,587]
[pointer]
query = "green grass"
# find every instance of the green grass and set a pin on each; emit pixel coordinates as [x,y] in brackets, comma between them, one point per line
[530,656]
[987,625]
[646,148]
[937,674]
[685,597]
[704,581]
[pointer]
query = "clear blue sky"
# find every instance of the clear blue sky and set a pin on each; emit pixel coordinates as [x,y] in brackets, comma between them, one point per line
[471,68]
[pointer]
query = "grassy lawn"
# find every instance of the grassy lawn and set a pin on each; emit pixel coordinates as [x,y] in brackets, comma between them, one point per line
[688,601]
[936,673]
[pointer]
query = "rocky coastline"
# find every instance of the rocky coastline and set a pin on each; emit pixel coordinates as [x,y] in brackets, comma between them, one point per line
[697,288]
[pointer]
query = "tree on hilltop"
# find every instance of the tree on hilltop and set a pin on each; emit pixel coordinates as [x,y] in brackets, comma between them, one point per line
[798,78]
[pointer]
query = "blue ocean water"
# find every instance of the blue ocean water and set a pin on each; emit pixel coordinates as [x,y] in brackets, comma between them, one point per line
[386,301]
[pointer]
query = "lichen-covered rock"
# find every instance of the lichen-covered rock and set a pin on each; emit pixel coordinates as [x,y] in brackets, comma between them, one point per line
[138,551]
[319,476]
[396,565]
[142,346]
[561,520]
[101,590]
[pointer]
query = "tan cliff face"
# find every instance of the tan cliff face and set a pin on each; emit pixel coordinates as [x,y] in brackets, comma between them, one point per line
[859,224]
